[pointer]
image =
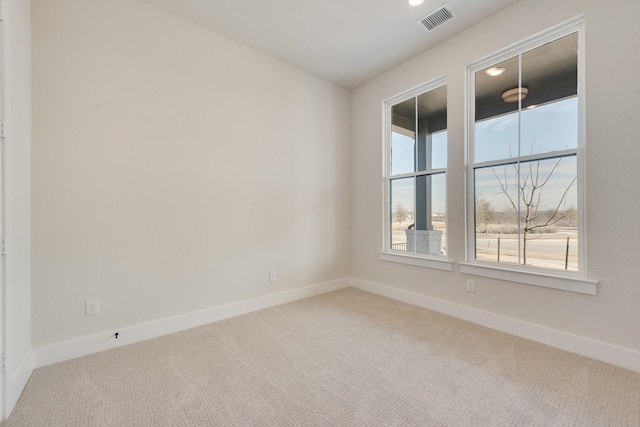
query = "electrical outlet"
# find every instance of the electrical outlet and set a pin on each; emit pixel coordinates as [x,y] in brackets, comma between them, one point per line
[471,285]
[273,275]
[92,306]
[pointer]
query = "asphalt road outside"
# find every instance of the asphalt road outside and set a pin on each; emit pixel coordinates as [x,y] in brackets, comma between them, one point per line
[547,250]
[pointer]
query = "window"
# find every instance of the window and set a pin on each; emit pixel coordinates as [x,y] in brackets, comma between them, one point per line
[415,174]
[525,154]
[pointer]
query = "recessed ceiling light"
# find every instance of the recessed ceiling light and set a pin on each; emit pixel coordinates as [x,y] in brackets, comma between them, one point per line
[415,2]
[494,71]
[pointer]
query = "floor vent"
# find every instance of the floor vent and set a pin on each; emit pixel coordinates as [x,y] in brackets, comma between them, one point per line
[436,18]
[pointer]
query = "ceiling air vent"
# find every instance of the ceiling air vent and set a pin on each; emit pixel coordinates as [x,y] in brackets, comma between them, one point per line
[437,17]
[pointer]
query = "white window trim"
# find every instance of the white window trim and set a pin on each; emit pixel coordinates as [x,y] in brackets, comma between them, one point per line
[532,276]
[568,281]
[411,258]
[438,262]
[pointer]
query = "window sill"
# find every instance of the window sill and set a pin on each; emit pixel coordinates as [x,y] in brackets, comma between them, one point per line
[566,283]
[438,264]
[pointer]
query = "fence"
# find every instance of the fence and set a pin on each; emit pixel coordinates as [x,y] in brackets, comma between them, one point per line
[566,255]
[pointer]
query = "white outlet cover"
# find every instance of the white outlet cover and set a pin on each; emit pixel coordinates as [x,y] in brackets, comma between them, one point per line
[92,307]
[471,285]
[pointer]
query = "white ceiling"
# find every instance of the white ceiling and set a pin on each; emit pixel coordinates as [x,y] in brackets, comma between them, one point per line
[347,42]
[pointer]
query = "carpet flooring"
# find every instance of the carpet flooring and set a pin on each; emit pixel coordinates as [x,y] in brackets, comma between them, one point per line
[346,358]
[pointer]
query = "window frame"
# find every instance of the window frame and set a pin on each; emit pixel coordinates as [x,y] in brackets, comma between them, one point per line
[439,262]
[576,281]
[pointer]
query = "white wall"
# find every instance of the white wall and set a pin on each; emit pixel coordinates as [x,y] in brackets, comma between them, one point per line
[17,305]
[173,168]
[613,194]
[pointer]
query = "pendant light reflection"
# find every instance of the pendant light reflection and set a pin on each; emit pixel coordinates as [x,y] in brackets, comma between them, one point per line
[515,94]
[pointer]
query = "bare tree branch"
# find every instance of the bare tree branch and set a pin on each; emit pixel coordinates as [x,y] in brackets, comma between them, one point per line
[530,190]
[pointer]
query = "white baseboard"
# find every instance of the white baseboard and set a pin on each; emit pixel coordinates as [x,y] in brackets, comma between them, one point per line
[17,382]
[104,341]
[619,356]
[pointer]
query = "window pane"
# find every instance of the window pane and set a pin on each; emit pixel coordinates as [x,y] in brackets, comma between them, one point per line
[402,213]
[403,117]
[550,109]
[548,192]
[429,226]
[402,153]
[432,118]
[491,83]
[550,127]
[496,130]
[525,213]
[497,138]
[439,159]
[496,219]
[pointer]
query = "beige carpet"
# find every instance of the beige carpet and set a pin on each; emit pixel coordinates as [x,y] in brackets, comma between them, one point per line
[348,358]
